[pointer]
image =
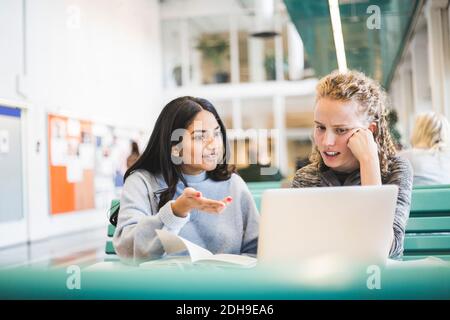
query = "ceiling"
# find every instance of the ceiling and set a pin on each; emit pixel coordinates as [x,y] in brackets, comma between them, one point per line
[373,51]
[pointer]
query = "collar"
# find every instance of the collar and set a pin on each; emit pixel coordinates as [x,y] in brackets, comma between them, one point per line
[330,179]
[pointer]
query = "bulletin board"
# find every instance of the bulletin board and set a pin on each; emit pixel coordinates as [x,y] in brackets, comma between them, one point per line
[71,164]
[87,162]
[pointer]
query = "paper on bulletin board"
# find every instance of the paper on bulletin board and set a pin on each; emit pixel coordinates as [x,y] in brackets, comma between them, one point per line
[73,128]
[74,170]
[87,156]
[4,141]
[59,149]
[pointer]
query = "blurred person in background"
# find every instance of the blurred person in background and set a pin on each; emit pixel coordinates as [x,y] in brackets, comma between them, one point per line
[430,152]
[132,158]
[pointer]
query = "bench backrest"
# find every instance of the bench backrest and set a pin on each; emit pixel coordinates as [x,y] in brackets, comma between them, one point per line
[428,228]
[109,248]
[257,189]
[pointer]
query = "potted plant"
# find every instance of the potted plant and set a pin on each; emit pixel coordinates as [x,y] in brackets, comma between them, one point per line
[214,49]
[270,66]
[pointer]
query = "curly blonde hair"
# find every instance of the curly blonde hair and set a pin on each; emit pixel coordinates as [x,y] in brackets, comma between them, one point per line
[431,131]
[371,100]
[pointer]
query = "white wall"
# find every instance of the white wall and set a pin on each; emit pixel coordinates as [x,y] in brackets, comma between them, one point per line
[10,47]
[96,60]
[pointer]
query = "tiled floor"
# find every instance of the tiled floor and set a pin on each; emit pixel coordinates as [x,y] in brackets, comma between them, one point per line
[81,249]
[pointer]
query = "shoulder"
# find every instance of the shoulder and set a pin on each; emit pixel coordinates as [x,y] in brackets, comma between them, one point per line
[399,163]
[139,175]
[400,170]
[307,176]
[310,169]
[140,178]
[237,182]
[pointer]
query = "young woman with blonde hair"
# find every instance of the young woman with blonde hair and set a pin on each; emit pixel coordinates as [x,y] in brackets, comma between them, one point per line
[353,146]
[430,153]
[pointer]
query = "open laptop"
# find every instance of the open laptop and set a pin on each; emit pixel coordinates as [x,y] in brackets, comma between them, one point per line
[349,223]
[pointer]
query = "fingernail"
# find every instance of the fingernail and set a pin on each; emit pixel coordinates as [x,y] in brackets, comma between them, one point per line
[198,195]
[229,199]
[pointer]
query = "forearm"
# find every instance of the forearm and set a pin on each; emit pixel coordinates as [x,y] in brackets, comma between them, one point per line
[370,172]
[398,235]
[136,239]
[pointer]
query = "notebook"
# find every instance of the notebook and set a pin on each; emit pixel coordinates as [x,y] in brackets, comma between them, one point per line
[174,244]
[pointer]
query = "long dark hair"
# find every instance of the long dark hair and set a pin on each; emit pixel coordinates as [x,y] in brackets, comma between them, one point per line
[156,158]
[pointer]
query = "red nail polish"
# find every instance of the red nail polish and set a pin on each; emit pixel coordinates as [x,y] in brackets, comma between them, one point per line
[198,195]
[229,199]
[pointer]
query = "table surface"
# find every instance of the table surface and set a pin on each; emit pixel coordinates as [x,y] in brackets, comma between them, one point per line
[425,279]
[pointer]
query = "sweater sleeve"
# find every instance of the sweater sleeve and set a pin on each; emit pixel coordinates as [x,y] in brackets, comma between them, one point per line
[401,175]
[250,219]
[135,239]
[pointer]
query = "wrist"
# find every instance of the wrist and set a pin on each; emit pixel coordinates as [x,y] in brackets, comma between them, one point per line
[179,210]
[369,160]
[370,172]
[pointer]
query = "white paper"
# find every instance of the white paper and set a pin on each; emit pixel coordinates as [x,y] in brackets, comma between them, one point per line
[59,149]
[73,128]
[74,170]
[87,156]
[174,244]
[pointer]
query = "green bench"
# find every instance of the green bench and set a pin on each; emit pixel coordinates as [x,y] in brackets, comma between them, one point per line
[428,228]
[109,247]
[257,189]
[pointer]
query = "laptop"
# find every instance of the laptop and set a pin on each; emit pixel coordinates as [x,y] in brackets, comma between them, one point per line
[352,224]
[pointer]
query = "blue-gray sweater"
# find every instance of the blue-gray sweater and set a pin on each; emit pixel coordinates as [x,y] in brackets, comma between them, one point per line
[234,230]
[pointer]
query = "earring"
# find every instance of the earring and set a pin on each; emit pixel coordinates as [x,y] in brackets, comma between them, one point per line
[176,159]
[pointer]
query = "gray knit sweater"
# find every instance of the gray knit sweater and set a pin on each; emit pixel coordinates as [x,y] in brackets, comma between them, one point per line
[234,230]
[400,173]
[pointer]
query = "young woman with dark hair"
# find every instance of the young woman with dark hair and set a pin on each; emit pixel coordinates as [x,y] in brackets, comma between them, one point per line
[182,183]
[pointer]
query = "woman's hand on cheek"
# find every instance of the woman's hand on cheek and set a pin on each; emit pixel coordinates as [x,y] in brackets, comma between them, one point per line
[193,199]
[364,148]
[362,145]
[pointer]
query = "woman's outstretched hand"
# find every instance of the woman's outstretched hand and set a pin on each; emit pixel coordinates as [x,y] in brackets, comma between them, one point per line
[193,199]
